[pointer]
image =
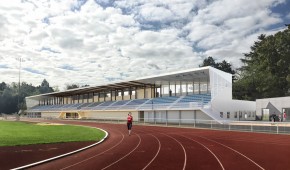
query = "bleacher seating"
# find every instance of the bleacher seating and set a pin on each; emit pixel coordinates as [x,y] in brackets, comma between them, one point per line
[154,103]
[137,101]
[161,100]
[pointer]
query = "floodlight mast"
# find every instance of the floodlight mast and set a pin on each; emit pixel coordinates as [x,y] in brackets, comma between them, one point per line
[18,105]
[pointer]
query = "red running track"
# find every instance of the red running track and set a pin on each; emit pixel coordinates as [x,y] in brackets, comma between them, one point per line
[151,147]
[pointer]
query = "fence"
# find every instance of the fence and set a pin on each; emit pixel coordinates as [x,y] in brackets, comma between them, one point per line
[246,126]
[15,117]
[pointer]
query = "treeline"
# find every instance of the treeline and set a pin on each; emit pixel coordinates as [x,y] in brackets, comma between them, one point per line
[265,73]
[12,98]
[266,68]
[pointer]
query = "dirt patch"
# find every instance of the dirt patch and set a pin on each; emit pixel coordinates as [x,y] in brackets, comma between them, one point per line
[47,124]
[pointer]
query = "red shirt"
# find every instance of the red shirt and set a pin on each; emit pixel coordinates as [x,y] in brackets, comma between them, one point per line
[129,119]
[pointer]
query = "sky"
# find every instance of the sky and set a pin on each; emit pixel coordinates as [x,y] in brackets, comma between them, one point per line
[94,42]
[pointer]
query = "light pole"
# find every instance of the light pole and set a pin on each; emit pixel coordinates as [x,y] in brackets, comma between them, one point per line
[18,105]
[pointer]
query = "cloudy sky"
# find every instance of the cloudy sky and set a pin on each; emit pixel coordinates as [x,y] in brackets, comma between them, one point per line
[99,41]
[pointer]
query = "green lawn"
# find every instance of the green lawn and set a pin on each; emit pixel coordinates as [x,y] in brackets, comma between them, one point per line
[22,133]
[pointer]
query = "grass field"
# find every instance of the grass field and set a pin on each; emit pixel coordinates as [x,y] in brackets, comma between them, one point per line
[24,133]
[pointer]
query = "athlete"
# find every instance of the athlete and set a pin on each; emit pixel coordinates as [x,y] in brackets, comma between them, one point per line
[129,122]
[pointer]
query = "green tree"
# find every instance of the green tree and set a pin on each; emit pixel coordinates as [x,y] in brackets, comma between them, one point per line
[266,70]
[224,65]
[45,88]
[72,86]
[9,95]
[209,61]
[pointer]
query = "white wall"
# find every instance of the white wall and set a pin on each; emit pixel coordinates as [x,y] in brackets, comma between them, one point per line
[173,116]
[220,84]
[111,115]
[279,103]
[160,116]
[50,114]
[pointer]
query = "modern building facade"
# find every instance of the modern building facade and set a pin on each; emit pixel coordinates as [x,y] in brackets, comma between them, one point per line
[267,107]
[184,96]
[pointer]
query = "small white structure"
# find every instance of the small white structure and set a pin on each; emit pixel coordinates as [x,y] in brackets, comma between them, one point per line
[183,97]
[268,107]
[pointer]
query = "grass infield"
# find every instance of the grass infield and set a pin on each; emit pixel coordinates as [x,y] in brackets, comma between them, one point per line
[24,133]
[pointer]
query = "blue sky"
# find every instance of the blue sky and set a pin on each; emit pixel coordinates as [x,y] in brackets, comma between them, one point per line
[99,41]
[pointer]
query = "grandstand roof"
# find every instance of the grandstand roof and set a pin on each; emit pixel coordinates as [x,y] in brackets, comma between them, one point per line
[197,74]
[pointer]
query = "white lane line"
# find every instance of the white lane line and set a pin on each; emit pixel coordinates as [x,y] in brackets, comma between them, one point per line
[207,149]
[63,155]
[97,154]
[185,157]
[156,152]
[235,151]
[125,155]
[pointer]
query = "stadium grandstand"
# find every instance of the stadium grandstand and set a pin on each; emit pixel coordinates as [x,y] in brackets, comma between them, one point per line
[196,94]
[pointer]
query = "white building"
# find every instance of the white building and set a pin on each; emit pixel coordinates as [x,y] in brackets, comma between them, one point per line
[273,106]
[185,96]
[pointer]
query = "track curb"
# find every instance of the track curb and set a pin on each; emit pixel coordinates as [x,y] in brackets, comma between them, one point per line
[66,154]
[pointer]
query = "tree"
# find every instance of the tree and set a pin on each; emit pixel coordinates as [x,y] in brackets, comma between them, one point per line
[44,87]
[72,86]
[266,70]
[9,95]
[209,61]
[224,65]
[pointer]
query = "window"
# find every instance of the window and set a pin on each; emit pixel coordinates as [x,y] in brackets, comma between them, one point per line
[236,115]
[221,114]
[228,115]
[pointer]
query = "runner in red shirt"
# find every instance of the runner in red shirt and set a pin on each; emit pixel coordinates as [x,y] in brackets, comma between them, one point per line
[129,122]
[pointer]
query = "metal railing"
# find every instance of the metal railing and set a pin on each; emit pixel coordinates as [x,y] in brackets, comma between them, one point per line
[245,126]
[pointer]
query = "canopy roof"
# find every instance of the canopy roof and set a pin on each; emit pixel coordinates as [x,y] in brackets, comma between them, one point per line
[191,75]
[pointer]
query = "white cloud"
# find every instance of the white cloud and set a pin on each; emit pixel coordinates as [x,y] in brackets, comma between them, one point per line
[288,16]
[90,43]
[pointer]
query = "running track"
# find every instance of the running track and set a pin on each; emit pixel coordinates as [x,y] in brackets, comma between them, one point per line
[151,147]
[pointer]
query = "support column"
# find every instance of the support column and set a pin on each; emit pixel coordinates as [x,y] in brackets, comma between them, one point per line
[199,86]
[122,93]
[144,92]
[105,94]
[130,92]
[174,88]
[136,94]
[186,87]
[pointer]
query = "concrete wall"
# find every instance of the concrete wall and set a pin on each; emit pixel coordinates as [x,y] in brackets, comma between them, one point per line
[50,114]
[175,116]
[111,115]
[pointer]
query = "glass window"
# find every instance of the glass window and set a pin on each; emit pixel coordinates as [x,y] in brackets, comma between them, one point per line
[228,115]
[236,114]
[221,114]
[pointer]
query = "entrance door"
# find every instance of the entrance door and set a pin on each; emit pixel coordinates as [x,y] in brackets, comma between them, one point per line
[265,114]
[141,116]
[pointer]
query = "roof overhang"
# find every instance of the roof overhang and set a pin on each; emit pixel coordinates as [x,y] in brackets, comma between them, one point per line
[191,75]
